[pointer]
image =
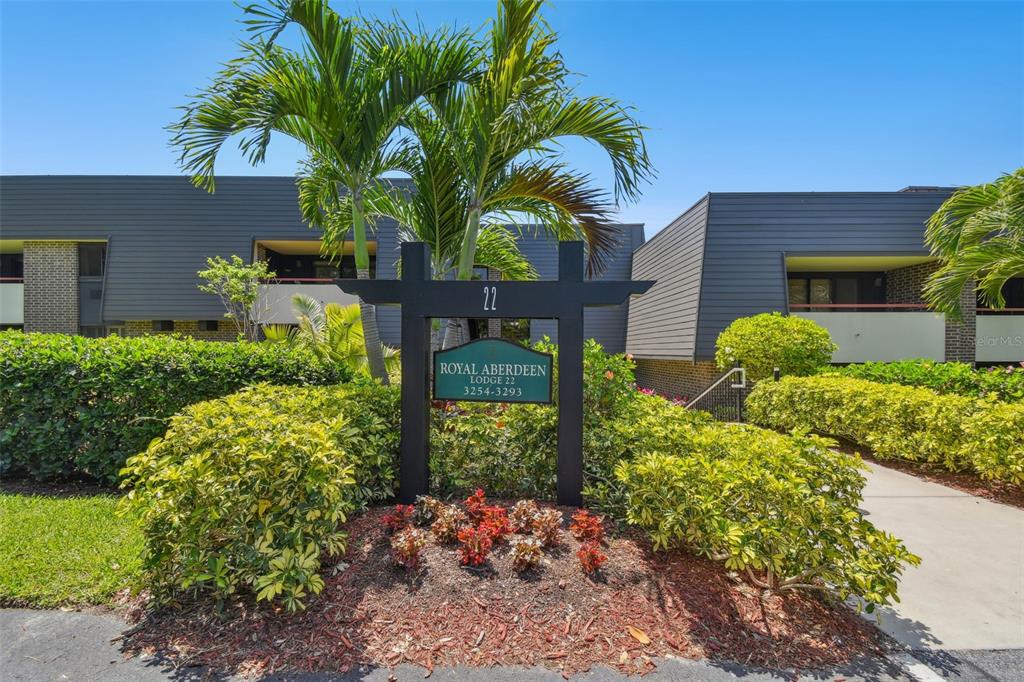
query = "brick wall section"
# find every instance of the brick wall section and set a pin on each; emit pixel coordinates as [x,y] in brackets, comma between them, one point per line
[225,332]
[51,287]
[675,378]
[960,336]
[904,285]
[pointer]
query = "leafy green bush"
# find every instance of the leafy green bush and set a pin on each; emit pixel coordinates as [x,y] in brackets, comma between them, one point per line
[241,495]
[994,441]
[512,449]
[763,342]
[900,422]
[896,422]
[781,509]
[76,406]
[1002,383]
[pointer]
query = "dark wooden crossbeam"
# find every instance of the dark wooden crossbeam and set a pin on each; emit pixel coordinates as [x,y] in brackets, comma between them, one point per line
[423,298]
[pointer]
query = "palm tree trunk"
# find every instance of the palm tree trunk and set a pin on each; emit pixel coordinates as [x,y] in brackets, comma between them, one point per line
[467,257]
[368,313]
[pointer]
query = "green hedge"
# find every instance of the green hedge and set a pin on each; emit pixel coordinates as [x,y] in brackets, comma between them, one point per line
[73,406]
[784,510]
[1003,383]
[899,422]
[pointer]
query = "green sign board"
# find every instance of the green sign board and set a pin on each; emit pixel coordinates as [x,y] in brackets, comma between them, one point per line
[492,370]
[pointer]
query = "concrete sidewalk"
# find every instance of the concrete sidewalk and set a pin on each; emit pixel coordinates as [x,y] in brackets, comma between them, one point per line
[968,592]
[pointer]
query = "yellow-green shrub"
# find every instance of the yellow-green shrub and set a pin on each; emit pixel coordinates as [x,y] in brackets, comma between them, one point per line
[781,509]
[242,494]
[896,422]
[761,343]
[995,441]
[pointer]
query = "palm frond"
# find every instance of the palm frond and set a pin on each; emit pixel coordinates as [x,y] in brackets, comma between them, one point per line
[978,235]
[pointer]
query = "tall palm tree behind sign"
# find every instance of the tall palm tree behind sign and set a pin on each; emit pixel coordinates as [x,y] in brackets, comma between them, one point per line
[342,96]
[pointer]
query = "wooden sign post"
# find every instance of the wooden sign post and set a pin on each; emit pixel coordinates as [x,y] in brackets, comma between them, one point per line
[423,298]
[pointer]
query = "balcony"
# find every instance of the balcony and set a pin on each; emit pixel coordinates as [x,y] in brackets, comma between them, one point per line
[879,332]
[999,335]
[275,299]
[12,301]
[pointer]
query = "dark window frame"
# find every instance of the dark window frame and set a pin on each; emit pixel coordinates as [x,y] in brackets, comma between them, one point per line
[163,325]
[88,261]
[833,277]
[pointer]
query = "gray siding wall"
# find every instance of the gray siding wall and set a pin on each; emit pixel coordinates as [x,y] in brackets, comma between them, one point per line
[748,236]
[160,229]
[663,322]
[606,325]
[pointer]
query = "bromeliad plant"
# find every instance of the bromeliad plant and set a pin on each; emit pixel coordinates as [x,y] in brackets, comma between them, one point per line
[547,527]
[526,554]
[522,515]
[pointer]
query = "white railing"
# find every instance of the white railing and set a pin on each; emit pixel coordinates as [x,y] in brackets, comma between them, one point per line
[999,338]
[863,336]
[12,301]
[276,297]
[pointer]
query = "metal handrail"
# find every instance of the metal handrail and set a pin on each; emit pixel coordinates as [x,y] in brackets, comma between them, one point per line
[735,370]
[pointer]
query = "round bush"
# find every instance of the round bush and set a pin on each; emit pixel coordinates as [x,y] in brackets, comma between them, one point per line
[247,492]
[769,340]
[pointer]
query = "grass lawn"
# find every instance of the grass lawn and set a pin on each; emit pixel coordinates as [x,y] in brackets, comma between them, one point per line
[65,551]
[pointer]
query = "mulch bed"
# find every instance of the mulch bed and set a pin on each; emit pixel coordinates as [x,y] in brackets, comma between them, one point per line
[645,605]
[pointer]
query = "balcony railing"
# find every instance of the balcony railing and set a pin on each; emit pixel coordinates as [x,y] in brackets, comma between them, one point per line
[884,332]
[12,300]
[276,296]
[857,306]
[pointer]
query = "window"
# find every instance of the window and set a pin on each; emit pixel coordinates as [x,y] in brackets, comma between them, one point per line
[1013,292]
[828,289]
[91,259]
[92,331]
[12,265]
[209,325]
[292,266]
[163,325]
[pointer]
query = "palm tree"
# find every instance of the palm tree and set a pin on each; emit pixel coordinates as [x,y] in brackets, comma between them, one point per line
[342,96]
[333,333]
[978,235]
[503,128]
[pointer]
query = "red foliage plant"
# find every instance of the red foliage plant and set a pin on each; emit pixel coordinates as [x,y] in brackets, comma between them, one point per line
[476,544]
[591,558]
[406,546]
[475,504]
[495,522]
[587,527]
[450,519]
[398,519]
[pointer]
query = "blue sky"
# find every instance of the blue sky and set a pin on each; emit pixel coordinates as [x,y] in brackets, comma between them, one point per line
[737,96]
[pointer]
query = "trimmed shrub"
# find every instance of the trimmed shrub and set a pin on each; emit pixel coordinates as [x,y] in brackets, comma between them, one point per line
[895,422]
[241,496]
[73,406]
[781,509]
[899,422]
[995,442]
[1002,383]
[763,342]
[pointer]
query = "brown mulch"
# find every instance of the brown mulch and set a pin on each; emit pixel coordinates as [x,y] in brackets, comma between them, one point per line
[644,605]
[65,488]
